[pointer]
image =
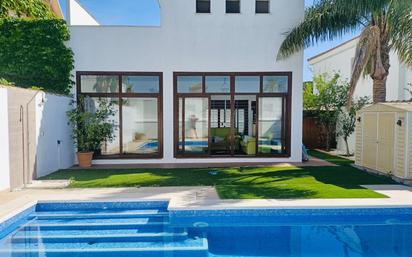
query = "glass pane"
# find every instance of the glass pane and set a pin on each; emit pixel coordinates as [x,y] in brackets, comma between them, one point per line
[275,84]
[92,104]
[180,143]
[262,6]
[189,84]
[99,84]
[220,128]
[232,6]
[140,126]
[196,125]
[140,84]
[247,84]
[217,84]
[270,125]
[245,125]
[203,6]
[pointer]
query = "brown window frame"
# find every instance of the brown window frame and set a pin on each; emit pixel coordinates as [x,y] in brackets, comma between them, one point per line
[287,110]
[121,95]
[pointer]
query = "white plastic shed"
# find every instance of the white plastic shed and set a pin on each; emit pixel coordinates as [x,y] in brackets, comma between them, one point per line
[384,138]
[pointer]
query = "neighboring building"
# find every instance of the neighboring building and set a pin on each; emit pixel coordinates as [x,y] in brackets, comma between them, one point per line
[203,87]
[340,59]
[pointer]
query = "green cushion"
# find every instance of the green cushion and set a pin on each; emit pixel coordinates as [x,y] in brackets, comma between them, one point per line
[220,132]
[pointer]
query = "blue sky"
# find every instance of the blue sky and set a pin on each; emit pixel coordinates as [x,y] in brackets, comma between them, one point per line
[146,12]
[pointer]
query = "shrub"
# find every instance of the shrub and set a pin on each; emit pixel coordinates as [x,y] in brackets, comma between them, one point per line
[33,53]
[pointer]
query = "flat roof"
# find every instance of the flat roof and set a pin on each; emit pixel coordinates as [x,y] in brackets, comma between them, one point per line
[332,49]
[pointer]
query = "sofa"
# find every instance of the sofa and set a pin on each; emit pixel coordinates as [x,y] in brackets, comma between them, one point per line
[248,145]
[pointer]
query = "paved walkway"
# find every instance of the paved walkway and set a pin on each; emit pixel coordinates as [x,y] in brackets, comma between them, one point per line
[191,198]
[312,162]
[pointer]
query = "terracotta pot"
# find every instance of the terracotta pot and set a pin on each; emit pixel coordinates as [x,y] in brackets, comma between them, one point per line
[85,159]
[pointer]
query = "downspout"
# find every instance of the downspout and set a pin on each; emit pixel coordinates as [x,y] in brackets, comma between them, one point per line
[27,143]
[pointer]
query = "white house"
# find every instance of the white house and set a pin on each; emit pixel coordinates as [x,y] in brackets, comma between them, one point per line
[204,86]
[340,59]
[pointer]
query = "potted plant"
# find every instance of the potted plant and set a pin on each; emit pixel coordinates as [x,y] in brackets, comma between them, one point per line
[91,127]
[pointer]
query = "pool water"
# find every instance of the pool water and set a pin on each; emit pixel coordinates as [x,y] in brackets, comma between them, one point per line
[147,228]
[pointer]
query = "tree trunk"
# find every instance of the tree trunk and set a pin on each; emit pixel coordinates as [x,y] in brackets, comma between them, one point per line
[379,90]
[380,70]
[328,137]
[347,146]
[327,140]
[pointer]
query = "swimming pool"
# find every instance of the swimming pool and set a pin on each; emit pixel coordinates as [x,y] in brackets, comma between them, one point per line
[147,228]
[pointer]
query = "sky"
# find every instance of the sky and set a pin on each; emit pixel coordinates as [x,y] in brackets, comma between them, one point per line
[146,13]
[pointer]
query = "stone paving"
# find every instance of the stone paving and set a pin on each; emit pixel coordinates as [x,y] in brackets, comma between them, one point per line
[192,198]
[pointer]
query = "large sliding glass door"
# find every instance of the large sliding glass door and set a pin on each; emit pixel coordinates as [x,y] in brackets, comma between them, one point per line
[193,125]
[234,114]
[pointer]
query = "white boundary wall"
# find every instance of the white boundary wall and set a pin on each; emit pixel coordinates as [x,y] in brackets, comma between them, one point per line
[53,144]
[4,142]
[55,148]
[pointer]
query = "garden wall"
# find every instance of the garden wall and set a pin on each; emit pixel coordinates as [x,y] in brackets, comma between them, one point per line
[35,137]
[4,142]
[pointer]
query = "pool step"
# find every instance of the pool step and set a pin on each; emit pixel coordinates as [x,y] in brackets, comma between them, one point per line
[28,232]
[101,215]
[142,237]
[94,226]
[108,220]
[197,247]
[100,206]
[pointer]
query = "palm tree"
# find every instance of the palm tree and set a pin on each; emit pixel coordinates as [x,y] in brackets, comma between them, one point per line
[385,25]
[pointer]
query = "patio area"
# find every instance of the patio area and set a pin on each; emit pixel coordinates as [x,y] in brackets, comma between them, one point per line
[194,198]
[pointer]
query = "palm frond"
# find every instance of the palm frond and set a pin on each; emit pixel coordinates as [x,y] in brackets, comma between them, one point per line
[328,19]
[365,50]
[400,29]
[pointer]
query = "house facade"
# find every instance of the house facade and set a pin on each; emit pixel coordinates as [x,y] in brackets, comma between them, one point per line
[204,86]
[340,60]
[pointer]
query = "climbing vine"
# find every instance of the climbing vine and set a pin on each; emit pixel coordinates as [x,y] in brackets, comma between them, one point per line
[37,9]
[33,53]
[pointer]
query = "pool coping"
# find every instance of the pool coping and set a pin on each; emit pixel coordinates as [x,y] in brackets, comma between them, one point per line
[199,198]
[17,213]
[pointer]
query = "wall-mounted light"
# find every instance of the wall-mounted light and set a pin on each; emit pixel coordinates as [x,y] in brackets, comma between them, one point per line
[399,123]
[359,119]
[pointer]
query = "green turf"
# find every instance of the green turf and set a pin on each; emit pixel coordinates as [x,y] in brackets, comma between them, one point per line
[342,181]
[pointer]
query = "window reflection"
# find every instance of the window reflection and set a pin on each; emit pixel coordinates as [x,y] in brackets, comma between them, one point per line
[196,121]
[92,104]
[275,84]
[189,84]
[140,126]
[99,84]
[247,84]
[270,125]
[217,84]
[140,84]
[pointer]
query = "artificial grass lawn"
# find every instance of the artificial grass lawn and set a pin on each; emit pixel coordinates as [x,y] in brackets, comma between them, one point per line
[342,181]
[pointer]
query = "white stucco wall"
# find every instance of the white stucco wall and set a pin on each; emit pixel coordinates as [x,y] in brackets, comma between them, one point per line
[187,41]
[77,15]
[4,142]
[340,60]
[54,142]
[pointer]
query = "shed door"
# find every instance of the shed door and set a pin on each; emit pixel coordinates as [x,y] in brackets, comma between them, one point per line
[370,135]
[386,139]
